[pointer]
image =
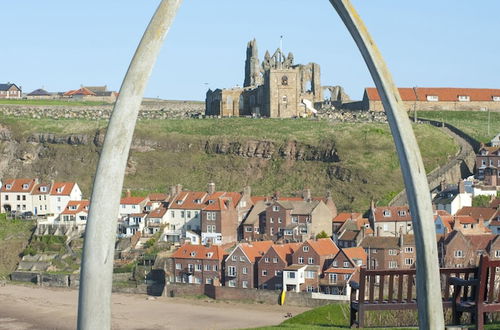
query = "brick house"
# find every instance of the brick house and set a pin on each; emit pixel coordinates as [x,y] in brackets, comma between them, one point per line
[288,219]
[10,91]
[382,252]
[341,270]
[487,165]
[219,219]
[458,250]
[241,264]
[479,214]
[390,220]
[308,263]
[352,232]
[198,264]
[270,266]
[341,218]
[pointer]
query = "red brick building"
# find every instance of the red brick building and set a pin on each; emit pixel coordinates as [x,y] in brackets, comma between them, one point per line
[270,266]
[198,264]
[342,269]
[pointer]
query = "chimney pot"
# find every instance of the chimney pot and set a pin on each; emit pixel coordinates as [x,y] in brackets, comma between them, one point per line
[211,188]
[128,193]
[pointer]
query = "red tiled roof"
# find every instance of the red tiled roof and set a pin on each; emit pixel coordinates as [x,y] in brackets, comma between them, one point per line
[255,249]
[480,242]
[185,200]
[484,213]
[394,213]
[74,207]
[344,216]
[443,93]
[323,246]
[188,251]
[65,188]
[81,91]
[282,250]
[17,185]
[132,200]
[38,191]
[356,253]
[158,212]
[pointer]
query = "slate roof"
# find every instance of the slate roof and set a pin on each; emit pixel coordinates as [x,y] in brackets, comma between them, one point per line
[380,242]
[6,87]
[39,92]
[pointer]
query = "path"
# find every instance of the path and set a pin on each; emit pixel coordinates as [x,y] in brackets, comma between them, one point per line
[30,307]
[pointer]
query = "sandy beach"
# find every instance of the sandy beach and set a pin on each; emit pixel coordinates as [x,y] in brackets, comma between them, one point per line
[31,307]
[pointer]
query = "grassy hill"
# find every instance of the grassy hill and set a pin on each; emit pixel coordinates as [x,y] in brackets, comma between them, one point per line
[356,162]
[14,235]
[474,123]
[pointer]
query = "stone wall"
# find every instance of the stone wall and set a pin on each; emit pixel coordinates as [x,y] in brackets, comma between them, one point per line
[460,167]
[149,110]
[270,297]
[43,279]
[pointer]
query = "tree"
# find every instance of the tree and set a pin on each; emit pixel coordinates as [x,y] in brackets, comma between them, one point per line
[481,201]
[323,234]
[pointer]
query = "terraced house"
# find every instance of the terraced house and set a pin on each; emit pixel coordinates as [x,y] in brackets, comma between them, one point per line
[271,265]
[241,265]
[487,165]
[341,270]
[198,264]
[308,263]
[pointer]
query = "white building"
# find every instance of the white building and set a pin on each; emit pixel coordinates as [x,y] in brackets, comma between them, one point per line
[16,195]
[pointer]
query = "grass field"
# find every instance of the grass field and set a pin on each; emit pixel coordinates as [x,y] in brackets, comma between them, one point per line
[368,166]
[336,316]
[14,235]
[474,123]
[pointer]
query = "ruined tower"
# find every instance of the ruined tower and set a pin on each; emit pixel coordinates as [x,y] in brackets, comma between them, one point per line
[253,76]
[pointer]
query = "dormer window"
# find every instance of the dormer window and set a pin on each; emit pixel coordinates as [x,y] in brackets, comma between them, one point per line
[197,201]
[276,208]
[402,213]
[8,186]
[210,201]
[495,98]
[179,202]
[192,254]
[210,254]
[59,190]
[43,188]
[305,248]
[463,98]
[432,98]
[72,207]
[386,213]
[25,186]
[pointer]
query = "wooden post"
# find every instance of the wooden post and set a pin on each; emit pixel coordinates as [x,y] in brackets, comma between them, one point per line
[430,307]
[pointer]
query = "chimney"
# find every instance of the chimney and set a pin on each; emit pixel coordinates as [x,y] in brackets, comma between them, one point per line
[172,191]
[247,191]
[306,195]
[276,196]
[178,188]
[442,185]
[211,188]
[128,193]
[461,187]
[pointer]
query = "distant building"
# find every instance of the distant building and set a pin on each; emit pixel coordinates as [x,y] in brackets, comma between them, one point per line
[277,88]
[10,91]
[39,94]
[487,165]
[424,98]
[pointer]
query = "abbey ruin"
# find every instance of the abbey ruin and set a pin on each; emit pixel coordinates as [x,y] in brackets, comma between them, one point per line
[275,88]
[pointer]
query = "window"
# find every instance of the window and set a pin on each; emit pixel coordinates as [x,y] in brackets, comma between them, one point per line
[310,274]
[197,280]
[172,213]
[386,213]
[209,280]
[231,271]
[25,186]
[58,199]
[271,231]
[497,254]
[182,214]
[271,220]
[244,284]
[215,268]
[300,260]
[401,213]
[290,274]
[276,208]
[310,261]
[305,248]
[244,270]
[192,254]
[198,267]
[6,197]
[310,288]
[459,254]
[242,258]
[232,283]
[496,98]
[43,189]
[279,220]
[210,254]
[392,252]
[190,268]
[409,249]
[278,273]
[8,186]
[408,261]
[275,260]
[432,98]
[334,263]
[374,250]
[178,266]
[332,278]
[346,264]
[207,268]
[295,219]
[264,272]
[393,264]
[248,229]
[284,81]
[18,197]
[178,279]
[233,258]
[266,260]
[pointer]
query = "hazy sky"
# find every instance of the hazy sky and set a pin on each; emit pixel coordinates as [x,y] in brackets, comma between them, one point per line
[62,44]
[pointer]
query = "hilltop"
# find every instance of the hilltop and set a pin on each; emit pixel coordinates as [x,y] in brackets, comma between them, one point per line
[355,161]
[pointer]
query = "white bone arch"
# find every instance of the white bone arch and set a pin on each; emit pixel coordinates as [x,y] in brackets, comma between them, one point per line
[94,305]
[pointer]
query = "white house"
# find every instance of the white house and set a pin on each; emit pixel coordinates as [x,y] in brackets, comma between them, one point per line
[60,195]
[132,205]
[41,199]
[131,224]
[155,220]
[184,213]
[452,198]
[15,195]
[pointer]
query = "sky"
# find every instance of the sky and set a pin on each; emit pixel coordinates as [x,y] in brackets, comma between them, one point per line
[60,45]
